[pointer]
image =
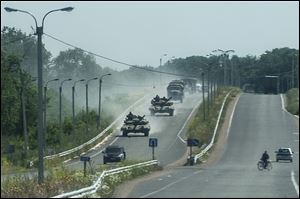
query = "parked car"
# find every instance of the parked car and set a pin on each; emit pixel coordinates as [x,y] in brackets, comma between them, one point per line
[114,154]
[284,154]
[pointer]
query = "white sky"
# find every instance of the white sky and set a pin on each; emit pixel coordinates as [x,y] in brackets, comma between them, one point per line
[141,32]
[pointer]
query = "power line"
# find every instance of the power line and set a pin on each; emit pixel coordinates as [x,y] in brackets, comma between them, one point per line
[119,62]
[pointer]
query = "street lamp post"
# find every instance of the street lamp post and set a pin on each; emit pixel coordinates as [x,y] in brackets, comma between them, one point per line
[208,92]
[73,102]
[39,33]
[60,101]
[297,71]
[160,62]
[87,101]
[99,107]
[211,77]
[225,54]
[203,99]
[45,108]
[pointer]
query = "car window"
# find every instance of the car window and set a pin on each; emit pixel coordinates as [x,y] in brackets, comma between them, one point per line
[113,150]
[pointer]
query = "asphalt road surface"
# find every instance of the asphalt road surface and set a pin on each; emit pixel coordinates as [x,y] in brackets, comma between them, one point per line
[165,128]
[258,124]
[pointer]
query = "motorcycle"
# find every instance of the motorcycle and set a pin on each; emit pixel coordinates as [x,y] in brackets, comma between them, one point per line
[261,165]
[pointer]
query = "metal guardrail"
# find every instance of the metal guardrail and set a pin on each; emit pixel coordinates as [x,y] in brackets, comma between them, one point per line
[199,155]
[93,188]
[99,135]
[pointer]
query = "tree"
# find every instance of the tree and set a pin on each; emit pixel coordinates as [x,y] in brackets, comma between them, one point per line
[11,120]
[24,46]
[76,64]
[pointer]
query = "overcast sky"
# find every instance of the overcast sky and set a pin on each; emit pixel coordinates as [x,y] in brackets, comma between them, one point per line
[141,32]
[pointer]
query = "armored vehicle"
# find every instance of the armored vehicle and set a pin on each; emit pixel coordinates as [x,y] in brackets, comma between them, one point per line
[175,90]
[161,105]
[135,124]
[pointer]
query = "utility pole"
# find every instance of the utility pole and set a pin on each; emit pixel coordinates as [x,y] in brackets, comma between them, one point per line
[73,102]
[45,109]
[60,101]
[39,33]
[225,55]
[160,65]
[208,93]
[203,98]
[87,102]
[24,115]
[99,107]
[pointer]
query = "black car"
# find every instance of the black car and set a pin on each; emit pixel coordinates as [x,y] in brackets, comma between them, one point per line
[114,154]
[284,154]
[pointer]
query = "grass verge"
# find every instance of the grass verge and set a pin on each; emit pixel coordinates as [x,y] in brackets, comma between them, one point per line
[203,129]
[292,97]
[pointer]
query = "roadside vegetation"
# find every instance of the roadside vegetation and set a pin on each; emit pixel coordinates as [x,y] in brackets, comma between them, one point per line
[59,139]
[122,88]
[203,129]
[111,182]
[62,180]
[292,97]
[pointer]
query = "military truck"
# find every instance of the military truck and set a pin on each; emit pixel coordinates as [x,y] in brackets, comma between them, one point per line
[175,90]
[161,105]
[135,124]
[190,84]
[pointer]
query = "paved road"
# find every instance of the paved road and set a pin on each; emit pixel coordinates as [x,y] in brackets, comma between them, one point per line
[259,124]
[163,127]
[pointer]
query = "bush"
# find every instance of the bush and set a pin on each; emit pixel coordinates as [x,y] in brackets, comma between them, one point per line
[293,101]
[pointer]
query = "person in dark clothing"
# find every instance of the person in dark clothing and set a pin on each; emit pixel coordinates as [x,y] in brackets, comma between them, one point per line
[164,98]
[265,158]
[130,116]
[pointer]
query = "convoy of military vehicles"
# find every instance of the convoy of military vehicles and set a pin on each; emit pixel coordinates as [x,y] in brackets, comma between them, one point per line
[175,92]
[134,124]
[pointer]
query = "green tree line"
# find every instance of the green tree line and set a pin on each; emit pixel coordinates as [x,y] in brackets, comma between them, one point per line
[18,73]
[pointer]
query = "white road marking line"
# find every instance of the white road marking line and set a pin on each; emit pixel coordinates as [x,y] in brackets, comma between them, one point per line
[231,116]
[282,102]
[294,182]
[113,141]
[169,185]
[103,149]
[296,133]
[178,134]
[296,140]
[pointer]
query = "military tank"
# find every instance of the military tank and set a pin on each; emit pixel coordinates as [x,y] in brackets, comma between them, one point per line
[135,124]
[161,105]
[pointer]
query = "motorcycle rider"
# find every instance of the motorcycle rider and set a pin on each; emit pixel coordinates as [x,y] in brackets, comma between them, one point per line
[265,158]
